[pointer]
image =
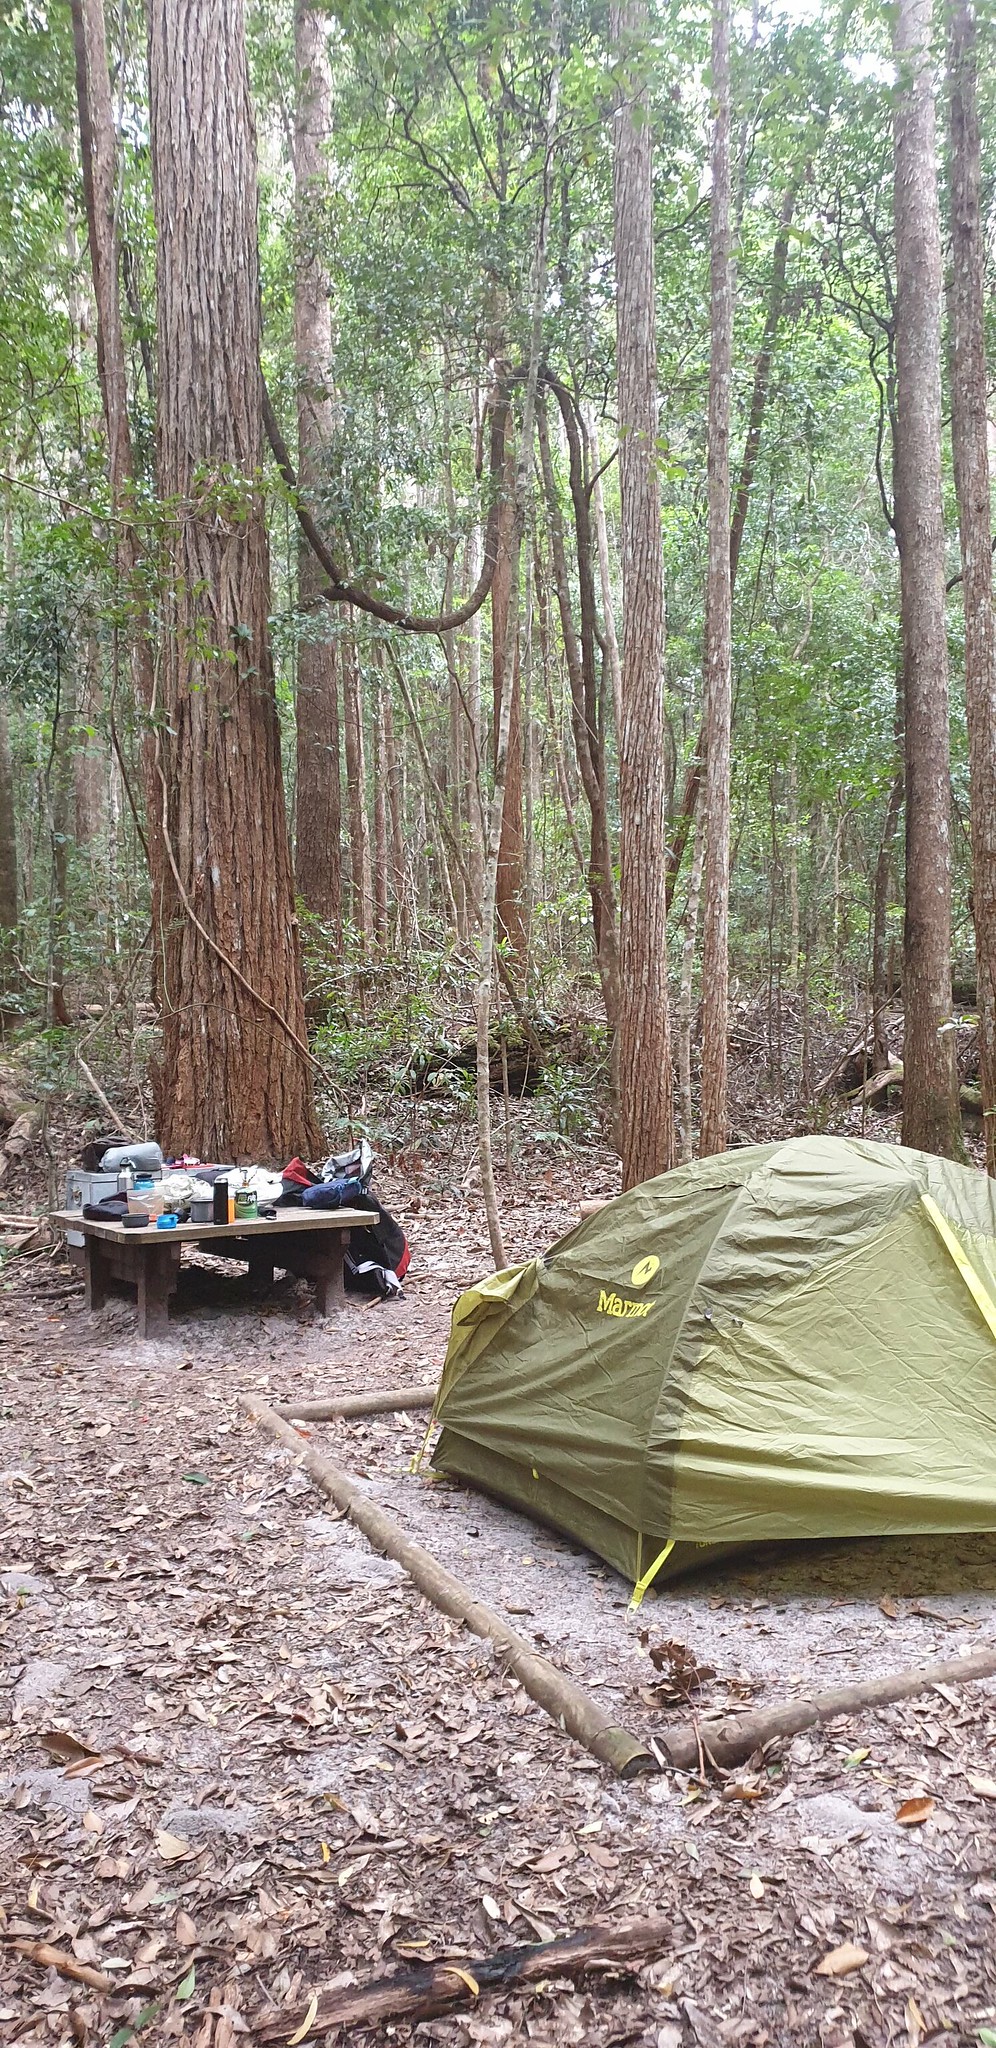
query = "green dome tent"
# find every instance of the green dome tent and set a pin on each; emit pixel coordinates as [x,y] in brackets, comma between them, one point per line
[794,1340]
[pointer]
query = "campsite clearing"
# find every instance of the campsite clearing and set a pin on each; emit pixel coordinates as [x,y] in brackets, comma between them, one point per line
[300,1768]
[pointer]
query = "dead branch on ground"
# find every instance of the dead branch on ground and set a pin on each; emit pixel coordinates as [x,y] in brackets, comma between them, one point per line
[355,1404]
[734,1740]
[557,1694]
[440,1987]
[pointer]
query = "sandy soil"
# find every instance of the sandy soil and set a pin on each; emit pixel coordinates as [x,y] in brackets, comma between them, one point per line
[303,1773]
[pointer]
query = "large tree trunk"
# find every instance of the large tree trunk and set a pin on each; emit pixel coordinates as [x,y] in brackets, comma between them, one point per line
[931,1116]
[319,800]
[718,621]
[235,1076]
[646,1118]
[969,443]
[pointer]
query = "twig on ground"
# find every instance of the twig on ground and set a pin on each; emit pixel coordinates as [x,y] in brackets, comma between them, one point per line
[49,1958]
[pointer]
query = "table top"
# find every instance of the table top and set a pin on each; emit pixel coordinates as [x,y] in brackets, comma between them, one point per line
[247,1226]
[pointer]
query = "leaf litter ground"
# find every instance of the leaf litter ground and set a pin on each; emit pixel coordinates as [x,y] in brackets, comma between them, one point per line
[242,1759]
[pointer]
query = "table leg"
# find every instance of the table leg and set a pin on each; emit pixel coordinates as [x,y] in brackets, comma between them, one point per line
[321,1262]
[96,1274]
[261,1264]
[330,1290]
[156,1284]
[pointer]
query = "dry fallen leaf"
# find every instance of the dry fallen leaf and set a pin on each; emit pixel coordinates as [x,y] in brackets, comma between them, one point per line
[306,2024]
[60,1743]
[186,1932]
[985,1787]
[841,1961]
[914,1811]
[491,1907]
[172,1848]
[553,1858]
[756,1887]
[888,1607]
[603,1857]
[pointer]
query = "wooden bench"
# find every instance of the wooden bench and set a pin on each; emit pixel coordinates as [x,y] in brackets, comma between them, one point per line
[308,1242]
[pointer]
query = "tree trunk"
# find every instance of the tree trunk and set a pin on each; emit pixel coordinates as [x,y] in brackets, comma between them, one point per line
[646,1119]
[686,1006]
[471,639]
[9,892]
[380,815]
[880,978]
[604,570]
[59,779]
[235,1075]
[969,444]
[319,799]
[89,757]
[98,156]
[506,686]
[718,623]
[395,808]
[931,1117]
[589,754]
[361,893]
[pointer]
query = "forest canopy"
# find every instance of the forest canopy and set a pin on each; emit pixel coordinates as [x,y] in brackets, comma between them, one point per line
[468,494]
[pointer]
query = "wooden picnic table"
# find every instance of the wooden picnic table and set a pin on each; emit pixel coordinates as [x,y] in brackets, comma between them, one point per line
[308,1242]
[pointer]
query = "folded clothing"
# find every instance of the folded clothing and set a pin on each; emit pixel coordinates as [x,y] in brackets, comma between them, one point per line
[335,1194]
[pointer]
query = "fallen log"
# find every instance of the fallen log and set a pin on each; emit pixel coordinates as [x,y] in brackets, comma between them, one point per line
[440,1987]
[733,1740]
[890,1077]
[355,1404]
[49,1958]
[552,1690]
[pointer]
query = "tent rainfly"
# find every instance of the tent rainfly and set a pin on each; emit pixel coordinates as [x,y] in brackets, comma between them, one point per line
[793,1340]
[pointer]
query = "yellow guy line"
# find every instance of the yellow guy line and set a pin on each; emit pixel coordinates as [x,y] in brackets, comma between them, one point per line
[649,1575]
[980,1294]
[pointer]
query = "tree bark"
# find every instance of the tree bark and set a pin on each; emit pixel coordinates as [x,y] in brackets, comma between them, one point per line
[235,1075]
[646,1118]
[319,798]
[395,812]
[880,990]
[969,445]
[380,869]
[931,1116]
[60,784]
[604,570]
[89,757]
[361,891]
[98,156]
[718,616]
[589,753]
[685,999]
[8,863]
[507,696]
